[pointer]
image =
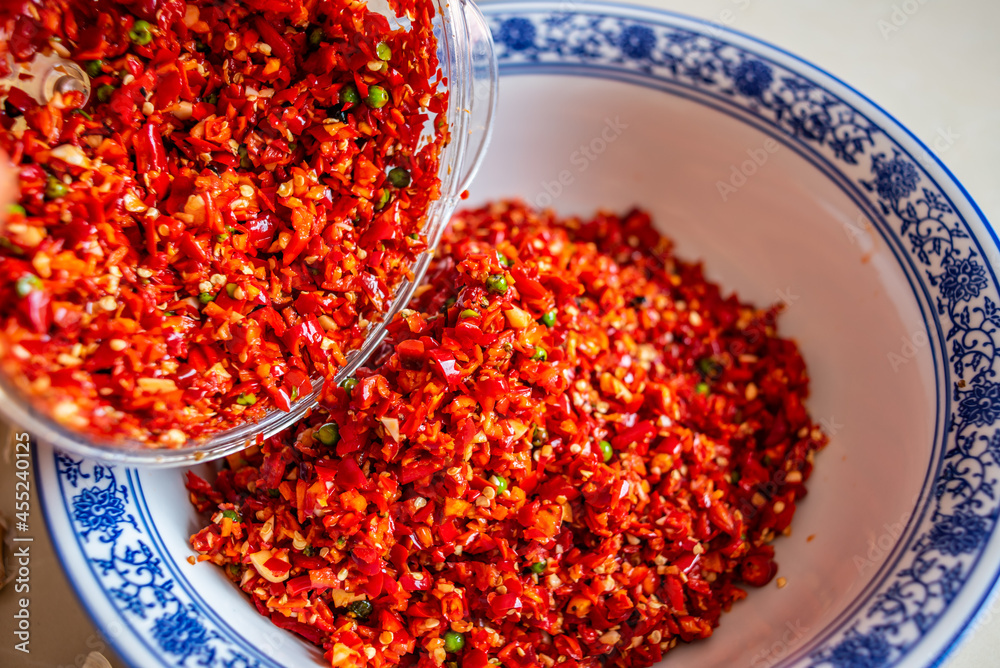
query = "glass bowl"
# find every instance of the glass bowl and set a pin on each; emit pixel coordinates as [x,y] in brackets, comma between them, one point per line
[467,60]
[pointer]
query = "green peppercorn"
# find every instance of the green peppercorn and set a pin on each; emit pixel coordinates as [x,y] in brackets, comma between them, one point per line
[499,482]
[273,493]
[399,177]
[295,393]
[449,302]
[540,354]
[212,99]
[497,283]
[538,567]
[539,437]
[549,318]
[27,284]
[349,385]
[377,97]
[247,399]
[244,157]
[468,313]
[383,51]
[95,68]
[504,260]
[360,609]
[231,514]
[606,450]
[308,550]
[453,642]
[383,199]
[16,209]
[206,297]
[54,188]
[709,368]
[315,37]
[104,92]
[141,33]
[328,434]
[9,246]
[231,289]
[701,388]
[349,95]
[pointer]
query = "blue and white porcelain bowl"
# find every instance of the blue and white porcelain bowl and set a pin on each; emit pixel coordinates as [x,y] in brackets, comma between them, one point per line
[792,188]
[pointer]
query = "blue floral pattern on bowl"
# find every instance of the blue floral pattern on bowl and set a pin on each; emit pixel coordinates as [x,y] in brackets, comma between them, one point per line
[130,569]
[961,510]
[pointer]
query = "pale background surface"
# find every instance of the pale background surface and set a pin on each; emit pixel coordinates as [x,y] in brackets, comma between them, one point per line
[938,74]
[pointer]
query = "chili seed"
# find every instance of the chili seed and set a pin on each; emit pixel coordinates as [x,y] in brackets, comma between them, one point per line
[497,283]
[95,68]
[453,642]
[54,188]
[27,284]
[399,177]
[247,399]
[540,354]
[377,97]
[141,33]
[360,609]
[549,318]
[349,95]
[606,450]
[383,51]
[328,434]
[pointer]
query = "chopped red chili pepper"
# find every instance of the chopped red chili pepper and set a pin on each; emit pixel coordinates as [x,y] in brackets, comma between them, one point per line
[595,506]
[217,217]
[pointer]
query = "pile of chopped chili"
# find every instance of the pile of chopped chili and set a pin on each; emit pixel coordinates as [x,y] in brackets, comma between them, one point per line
[574,451]
[226,215]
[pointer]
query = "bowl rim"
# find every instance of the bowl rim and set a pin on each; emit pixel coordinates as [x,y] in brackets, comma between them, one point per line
[927,161]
